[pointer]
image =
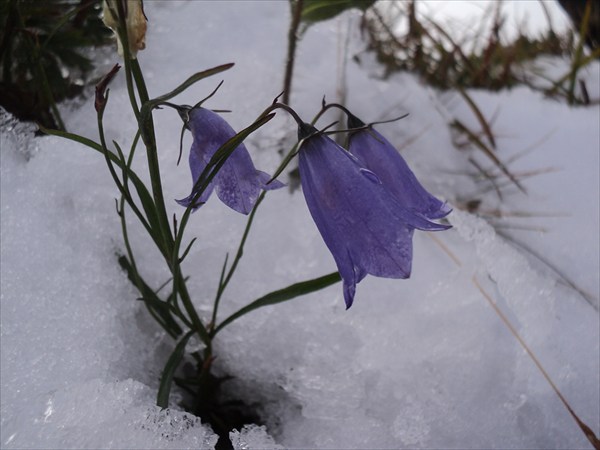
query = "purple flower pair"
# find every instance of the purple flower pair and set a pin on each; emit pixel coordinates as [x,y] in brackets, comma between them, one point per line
[366,203]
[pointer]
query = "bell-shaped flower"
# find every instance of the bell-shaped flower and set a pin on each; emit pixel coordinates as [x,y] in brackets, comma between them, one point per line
[366,228]
[237,183]
[377,154]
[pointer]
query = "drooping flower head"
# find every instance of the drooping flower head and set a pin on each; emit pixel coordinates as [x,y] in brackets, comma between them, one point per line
[237,182]
[366,228]
[377,154]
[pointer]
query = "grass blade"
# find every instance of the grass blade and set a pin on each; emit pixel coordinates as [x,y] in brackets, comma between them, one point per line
[282,295]
[485,126]
[164,390]
[587,431]
[186,84]
[140,187]
[159,309]
[488,152]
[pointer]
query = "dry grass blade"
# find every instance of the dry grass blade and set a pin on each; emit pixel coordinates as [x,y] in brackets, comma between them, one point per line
[445,248]
[509,226]
[587,431]
[485,126]
[487,176]
[458,125]
[567,281]
[589,434]
[520,214]
[456,47]
[521,176]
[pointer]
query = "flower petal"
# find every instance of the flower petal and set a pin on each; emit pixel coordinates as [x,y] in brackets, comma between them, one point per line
[237,182]
[197,166]
[363,226]
[378,155]
[264,179]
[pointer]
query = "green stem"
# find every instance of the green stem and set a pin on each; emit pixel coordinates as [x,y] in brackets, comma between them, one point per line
[238,256]
[179,285]
[122,189]
[149,138]
[240,252]
[146,126]
[171,250]
[123,36]
[576,64]
[296,6]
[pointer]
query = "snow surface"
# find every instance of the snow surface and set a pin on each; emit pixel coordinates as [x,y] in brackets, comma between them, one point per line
[424,362]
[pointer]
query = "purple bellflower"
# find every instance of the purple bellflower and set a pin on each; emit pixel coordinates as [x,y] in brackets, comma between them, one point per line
[366,228]
[237,183]
[377,154]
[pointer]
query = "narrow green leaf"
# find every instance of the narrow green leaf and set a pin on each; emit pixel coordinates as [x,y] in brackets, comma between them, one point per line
[223,282]
[186,84]
[319,10]
[282,295]
[164,390]
[160,310]
[187,250]
[73,137]
[140,187]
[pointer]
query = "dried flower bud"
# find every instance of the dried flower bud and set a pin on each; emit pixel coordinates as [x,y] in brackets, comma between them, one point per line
[102,89]
[135,21]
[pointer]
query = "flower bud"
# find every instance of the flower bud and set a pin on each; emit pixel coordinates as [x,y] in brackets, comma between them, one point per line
[135,21]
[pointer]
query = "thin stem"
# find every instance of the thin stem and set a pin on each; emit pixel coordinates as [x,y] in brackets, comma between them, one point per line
[149,138]
[122,189]
[179,285]
[167,247]
[296,7]
[583,31]
[238,256]
[240,252]
[123,36]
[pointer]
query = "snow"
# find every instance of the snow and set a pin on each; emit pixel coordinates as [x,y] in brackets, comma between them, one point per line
[424,362]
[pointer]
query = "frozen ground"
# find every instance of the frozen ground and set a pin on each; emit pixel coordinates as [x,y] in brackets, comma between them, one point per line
[424,362]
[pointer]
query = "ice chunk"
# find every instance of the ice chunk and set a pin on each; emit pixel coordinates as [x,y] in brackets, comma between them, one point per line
[252,437]
[19,135]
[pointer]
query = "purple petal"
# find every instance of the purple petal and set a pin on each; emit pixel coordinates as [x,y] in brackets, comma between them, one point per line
[364,227]
[378,155]
[264,179]
[237,183]
[197,166]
